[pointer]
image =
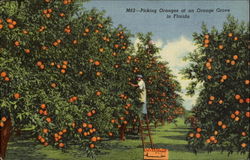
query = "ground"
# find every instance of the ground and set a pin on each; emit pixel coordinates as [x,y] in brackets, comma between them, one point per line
[169,136]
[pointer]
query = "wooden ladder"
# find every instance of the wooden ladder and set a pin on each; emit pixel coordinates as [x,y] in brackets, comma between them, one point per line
[144,127]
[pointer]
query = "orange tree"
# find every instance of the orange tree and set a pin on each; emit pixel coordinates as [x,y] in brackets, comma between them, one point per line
[163,100]
[65,72]
[220,63]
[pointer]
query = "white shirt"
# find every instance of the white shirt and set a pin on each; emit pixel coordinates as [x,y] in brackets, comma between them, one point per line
[143,93]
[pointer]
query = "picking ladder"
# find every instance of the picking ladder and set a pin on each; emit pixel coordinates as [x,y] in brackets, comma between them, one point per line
[142,129]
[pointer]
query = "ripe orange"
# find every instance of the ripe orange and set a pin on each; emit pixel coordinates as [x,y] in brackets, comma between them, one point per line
[98,93]
[1,26]
[209,77]
[79,130]
[92,146]
[220,101]
[224,77]
[4,119]
[84,125]
[43,106]
[7,79]
[216,132]
[247,100]
[89,114]
[191,135]
[241,101]
[42,140]
[90,126]
[27,51]
[237,112]
[219,123]
[223,126]
[210,102]
[63,71]
[237,119]
[98,73]
[206,36]
[61,145]
[53,85]
[98,138]
[17,43]
[208,141]
[101,49]
[45,130]
[197,135]
[247,82]
[237,96]
[228,61]
[230,34]
[233,62]
[243,134]
[212,138]
[221,46]
[17,96]
[93,111]
[97,63]
[243,145]
[211,98]
[198,129]
[93,139]
[3,74]
[1,124]
[48,119]
[206,41]
[235,38]
[232,116]
[11,26]
[235,57]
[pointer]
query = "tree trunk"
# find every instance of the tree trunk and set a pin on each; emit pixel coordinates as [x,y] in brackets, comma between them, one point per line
[122,132]
[5,133]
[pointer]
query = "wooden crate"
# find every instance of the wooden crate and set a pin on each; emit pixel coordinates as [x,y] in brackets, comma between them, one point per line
[155,154]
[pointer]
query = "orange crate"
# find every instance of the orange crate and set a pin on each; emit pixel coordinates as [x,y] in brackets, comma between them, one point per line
[156,154]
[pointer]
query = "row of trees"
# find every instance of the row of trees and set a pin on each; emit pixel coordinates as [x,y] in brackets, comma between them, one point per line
[66,71]
[221,65]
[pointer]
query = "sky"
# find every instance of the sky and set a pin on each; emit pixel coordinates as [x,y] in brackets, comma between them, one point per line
[172,35]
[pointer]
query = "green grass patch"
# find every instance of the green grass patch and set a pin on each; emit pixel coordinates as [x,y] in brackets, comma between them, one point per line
[169,136]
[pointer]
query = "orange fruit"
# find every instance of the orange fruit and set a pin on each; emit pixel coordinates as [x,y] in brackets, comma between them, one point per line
[98,138]
[233,62]
[60,133]
[247,100]
[1,124]
[63,71]
[243,145]
[219,123]
[235,38]
[221,46]
[198,129]
[235,57]
[97,63]
[197,135]
[98,93]
[232,116]
[212,138]
[45,130]
[101,49]
[243,134]
[42,140]
[84,125]
[210,102]
[64,130]
[230,34]
[48,119]
[224,77]
[89,114]
[211,98]
[220,101]
[223,126]
[93,111]
[1,26]
[92,146]
[237,119]
[191,135]
[39,63]
[79,130]
[27,51]
[206,41]
[90,126]
[17,96]
[237,112]
[93,139]
[61,145]
[4,119]
[237,96]
[227,61]
[209,77]
[53,85]
[3,74]
[208,141]
[43,106]
[206,36]
[98,73]
[215,132]
[17,43]
[241,101]
[247,82]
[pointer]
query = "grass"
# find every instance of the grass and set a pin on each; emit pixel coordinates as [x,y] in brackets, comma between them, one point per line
[169,136]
